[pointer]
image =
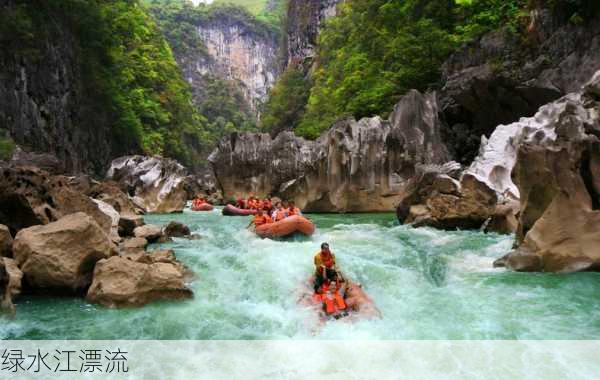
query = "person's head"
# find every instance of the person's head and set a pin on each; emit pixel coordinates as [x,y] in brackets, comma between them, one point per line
[260,212]
[284,204]
[292,204]
[278,205]
[325,248]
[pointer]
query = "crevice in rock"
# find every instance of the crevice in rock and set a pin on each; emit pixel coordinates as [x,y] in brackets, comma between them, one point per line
[586,174]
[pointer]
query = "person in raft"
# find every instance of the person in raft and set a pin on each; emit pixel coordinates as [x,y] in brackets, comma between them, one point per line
[260,218]
[326,269]
[293,210]
[328,281]
[199,201]
[278,213]
[241,203]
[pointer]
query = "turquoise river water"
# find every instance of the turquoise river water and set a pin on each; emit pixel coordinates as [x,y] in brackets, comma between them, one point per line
[428,284]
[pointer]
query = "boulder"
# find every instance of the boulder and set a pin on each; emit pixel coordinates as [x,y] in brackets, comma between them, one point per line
[114,217]
[10,283]
[43,161]
[133,245]
[434,199]
[355,166]
[128,223]
[158,183]
[557,181]
[149,232]
[30,196]
[111,193]
[176,229]
[119,282]
[6,241]
[520,260]
[61,255]
[505,218]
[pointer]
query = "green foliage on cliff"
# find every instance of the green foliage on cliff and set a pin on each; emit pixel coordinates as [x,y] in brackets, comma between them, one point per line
[220,101]
[376,50]
[7,145]
[286,102]
[127,67]
[224,106]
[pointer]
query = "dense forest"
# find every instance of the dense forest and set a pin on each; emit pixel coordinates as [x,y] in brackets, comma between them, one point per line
[128,63]
[376,50]
[367,57]
[222,103]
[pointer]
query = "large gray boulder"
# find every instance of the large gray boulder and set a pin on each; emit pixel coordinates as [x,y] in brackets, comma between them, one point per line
[158,183]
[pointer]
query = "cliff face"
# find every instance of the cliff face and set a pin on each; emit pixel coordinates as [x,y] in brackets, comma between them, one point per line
[236,51]
[355,166]
[304,21]
[47,105]
[503,76]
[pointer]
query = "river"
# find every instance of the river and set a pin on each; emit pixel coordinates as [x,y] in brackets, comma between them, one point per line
[428,284]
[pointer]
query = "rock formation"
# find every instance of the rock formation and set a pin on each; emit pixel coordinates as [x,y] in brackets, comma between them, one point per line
[60,256]
[46,102]
[557,175]
[149,232]
[29,196]
[305,19]
[354,166]
[121,282]
[157,183]
[6,241]
[237,48]
[504,76]
[10,284]
[176,229]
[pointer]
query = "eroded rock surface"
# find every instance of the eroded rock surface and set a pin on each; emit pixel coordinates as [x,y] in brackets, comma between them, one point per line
[30,196]
[61,255]
[158,183]
[558,182]
[354,166]
[10,284]
[122,282]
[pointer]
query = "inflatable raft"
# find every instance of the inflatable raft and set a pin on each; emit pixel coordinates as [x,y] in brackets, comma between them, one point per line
[231,210]
[349,302]
[286,227]
[203,207]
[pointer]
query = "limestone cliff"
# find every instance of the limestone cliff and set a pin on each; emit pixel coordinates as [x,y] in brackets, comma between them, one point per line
[303,22]
[238,49]
[356,166]
[46,104]
[503,76]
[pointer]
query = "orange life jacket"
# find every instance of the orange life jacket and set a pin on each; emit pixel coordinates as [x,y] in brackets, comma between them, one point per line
[332,302]
[327,260]
[259,220]
[279,215]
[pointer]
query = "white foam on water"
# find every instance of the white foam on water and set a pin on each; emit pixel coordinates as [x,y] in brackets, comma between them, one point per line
[428,284]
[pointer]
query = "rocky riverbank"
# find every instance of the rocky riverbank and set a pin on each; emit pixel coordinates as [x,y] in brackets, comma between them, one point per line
[75,236]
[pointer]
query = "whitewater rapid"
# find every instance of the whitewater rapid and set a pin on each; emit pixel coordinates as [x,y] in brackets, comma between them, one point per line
[428,284]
